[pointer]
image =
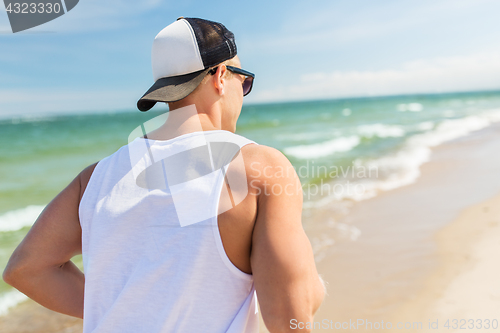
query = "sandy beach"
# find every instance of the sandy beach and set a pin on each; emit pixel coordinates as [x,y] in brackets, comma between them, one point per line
[30,317]
[427,251]
[465,287]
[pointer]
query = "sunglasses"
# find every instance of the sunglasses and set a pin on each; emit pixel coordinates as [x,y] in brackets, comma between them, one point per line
[247,83]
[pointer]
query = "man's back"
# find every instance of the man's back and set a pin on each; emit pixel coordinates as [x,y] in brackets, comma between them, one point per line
[150,264]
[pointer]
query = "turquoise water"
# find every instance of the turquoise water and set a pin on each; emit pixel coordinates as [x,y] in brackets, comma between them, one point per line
[40,156]
[379,123]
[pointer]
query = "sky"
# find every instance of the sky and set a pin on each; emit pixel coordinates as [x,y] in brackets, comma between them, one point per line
[97,57]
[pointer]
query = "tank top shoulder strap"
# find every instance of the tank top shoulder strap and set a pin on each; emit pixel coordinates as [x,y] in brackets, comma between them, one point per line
[226,136]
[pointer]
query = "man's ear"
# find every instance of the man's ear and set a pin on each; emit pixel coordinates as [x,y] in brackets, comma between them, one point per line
[219,79]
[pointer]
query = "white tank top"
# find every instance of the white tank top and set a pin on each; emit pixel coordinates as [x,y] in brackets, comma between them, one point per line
[152,252]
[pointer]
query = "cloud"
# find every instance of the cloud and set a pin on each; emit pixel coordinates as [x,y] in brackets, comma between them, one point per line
[443,74]
[336,23]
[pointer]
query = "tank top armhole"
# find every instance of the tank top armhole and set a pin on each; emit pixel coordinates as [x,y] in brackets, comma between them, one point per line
[218,239]
[223,255]
[83,207]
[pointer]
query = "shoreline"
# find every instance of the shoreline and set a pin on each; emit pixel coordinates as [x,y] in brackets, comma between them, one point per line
[386,274]
[394,271]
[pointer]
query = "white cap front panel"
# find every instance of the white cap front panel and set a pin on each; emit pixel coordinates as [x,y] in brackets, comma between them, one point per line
[175,51]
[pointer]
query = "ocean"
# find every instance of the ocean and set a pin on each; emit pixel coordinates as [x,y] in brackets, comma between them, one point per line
[344,150]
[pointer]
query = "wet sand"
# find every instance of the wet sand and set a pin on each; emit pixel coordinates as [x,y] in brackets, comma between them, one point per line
[465,287]
[418,244]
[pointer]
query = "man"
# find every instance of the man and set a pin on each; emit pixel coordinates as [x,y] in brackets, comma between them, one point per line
[180,228]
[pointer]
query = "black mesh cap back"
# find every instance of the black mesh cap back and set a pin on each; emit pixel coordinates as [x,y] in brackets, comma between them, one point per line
[215,42]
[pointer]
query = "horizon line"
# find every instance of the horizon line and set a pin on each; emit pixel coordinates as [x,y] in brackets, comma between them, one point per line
[43,116]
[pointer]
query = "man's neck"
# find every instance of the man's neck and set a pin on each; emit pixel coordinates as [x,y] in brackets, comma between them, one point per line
[186,120]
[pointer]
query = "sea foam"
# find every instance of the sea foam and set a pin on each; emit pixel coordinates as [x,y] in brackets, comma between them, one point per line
[380,130]
[325,148]
[19,218]
[10,299]
[414,107]
[403,166]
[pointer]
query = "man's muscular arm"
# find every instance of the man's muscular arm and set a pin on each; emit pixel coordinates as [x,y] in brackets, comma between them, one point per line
[286,280]
[40,267]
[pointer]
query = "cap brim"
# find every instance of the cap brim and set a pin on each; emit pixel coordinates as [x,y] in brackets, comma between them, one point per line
[171,89]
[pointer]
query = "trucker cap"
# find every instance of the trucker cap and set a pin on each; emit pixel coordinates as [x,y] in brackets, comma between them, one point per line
[182,54]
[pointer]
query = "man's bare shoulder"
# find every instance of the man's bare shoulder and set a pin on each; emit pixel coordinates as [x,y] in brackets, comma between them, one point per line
[264,156]
[268,165]
[84,177]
